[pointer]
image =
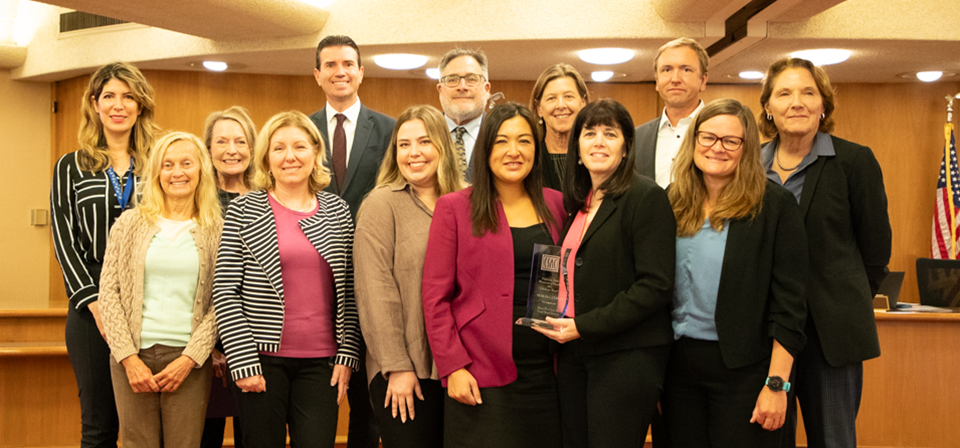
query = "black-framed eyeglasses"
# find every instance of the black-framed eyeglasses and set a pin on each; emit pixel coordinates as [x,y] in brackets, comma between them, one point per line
[454,80]
[729,143]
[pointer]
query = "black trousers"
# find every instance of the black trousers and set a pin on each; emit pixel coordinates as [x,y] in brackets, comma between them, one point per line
[299,395]
[609,400]
[425,431]
[706,404]
[828,395]
[90,357]
[362,431]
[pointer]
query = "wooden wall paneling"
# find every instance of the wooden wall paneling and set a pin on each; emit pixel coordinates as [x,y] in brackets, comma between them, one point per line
[66,123]
[39,402]
[639,99]
[32,327]
[908,393]
[903,124]
[392,96]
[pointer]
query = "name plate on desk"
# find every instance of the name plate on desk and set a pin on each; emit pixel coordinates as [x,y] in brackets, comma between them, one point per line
[543,298]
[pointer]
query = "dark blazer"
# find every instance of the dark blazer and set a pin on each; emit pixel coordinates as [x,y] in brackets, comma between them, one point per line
[369,145]
[468,291]
[762,282]
[645,145]
[248,287]
[844,210]
[624,272]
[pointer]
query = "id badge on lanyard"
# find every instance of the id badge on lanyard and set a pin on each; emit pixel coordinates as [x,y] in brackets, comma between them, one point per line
[122,192]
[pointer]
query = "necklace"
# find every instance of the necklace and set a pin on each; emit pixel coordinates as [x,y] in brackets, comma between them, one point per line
[310,204]
[776,156]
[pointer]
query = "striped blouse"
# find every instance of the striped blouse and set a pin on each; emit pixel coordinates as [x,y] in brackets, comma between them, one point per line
[248,285]
[83,208]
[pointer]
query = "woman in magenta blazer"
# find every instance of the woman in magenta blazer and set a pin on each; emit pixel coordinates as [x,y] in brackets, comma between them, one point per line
[501,386]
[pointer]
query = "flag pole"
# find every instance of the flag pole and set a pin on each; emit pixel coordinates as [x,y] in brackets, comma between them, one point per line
[947,131]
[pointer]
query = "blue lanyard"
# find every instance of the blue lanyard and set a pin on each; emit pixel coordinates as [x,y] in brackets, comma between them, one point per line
[121,192]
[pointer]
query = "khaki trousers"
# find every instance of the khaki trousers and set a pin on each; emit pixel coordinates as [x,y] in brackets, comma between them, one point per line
[162,419]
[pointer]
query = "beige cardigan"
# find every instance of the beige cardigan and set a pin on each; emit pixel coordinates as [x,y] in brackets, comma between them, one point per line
[121,287]
[388,253]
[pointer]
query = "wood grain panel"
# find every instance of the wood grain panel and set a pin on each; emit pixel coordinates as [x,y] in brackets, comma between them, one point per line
[32,329]
[909,392]
[38,402]
[903,124]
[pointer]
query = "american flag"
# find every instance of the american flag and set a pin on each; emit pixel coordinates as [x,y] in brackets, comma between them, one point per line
[943,244]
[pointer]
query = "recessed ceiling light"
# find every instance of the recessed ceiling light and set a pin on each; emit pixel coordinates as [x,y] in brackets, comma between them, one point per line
[400,61]
[606,56]
[216,66]
[823,56]
[751,75]
[601,76]
[929,76]
[433,73]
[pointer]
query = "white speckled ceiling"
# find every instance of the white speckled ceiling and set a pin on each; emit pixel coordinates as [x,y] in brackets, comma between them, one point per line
[521,37]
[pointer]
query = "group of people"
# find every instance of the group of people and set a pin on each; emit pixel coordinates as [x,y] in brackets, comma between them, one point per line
[246,265]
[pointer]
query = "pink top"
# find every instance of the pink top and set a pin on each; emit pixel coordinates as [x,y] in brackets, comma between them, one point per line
[308,316]
[567,261]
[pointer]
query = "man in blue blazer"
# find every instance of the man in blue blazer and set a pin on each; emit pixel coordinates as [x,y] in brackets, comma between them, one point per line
[356,139]
[681,72]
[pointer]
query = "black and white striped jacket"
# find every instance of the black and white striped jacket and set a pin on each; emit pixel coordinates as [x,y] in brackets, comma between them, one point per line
[248,288]
[83,207]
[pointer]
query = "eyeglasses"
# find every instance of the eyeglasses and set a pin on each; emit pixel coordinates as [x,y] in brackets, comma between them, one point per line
[454,80]
[729,143]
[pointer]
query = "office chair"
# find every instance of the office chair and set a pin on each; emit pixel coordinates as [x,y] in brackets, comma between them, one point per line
[939,282]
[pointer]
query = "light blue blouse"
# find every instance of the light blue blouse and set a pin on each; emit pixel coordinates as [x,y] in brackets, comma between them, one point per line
[699,262]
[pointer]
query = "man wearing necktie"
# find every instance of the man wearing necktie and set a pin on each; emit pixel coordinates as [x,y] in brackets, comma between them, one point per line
[360,137]
[464,88]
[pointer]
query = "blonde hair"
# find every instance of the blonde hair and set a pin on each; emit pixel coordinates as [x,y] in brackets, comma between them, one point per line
[240,115]
[151,195]
[263,178]
[449,177]
[92,155]
[742,197]
[702,55]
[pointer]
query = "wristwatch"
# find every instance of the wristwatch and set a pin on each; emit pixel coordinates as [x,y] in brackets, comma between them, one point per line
[777,384]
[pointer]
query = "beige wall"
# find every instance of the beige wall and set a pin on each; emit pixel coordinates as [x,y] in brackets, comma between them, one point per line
[25,182]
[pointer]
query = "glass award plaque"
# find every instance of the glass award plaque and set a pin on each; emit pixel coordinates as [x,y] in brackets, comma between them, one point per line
[543,298]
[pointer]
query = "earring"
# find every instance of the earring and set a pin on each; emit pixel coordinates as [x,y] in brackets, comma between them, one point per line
[822,116]
[541,121]
[769,117]
[580,162]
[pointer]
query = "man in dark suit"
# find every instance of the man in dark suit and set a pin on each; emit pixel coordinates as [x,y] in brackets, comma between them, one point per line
[681,73]
[464,88]
[356,139]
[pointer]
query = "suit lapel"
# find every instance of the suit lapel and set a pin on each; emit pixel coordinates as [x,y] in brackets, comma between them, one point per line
[360,138]
[607,207]
[647,159]
[810,181]
[328,150]
[260,236]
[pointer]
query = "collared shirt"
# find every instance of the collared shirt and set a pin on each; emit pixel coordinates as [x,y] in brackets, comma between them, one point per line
[699,263]
[669,139]
[349,125]
[469,137]
[822,146]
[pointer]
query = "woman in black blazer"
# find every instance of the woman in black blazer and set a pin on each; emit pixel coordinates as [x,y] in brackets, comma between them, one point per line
[738,306]
[283,291]
[843,207]
[618,255]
